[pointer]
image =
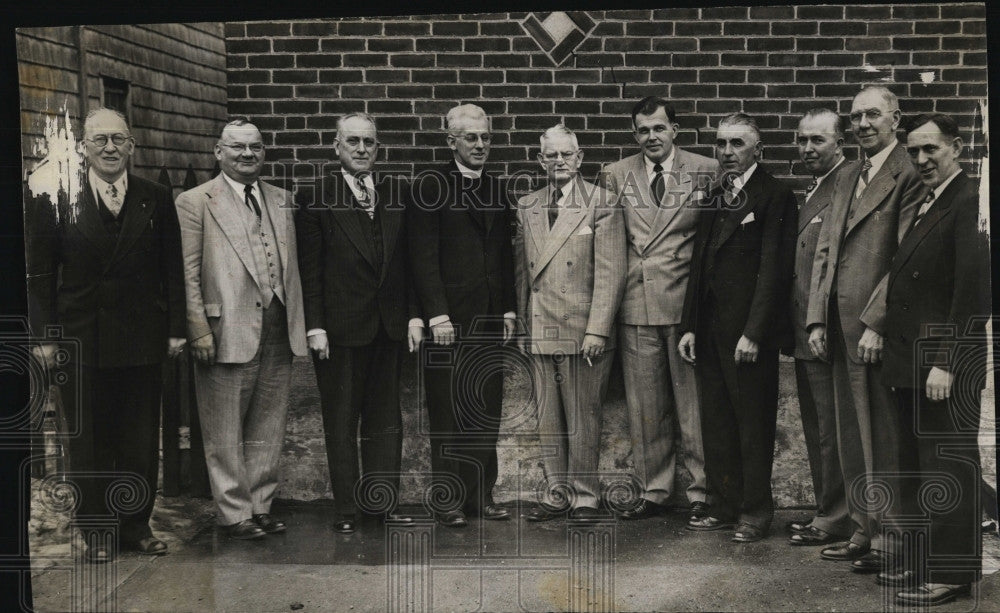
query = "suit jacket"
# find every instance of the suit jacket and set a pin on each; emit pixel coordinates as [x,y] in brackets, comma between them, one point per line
[812,216]
[861,245]
[121,297]
[750,271]
[223,294]
[346,291]
[939,278]
[459,239]
[660,237]
[570,279]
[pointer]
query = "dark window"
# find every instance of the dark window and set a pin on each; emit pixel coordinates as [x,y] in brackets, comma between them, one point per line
[116,95]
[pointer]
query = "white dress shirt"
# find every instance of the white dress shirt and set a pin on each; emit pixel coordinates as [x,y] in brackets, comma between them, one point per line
[819,180]
[99,187]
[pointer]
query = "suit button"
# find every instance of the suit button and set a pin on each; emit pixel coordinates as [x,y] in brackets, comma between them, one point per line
[916,274]
[906,307]
[532,264]
[534,289]
[569,262]
[562,289]
[803,244]
[258,305]
[565,316]
[631,237]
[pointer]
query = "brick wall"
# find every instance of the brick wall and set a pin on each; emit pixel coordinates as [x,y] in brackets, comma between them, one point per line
[293,78]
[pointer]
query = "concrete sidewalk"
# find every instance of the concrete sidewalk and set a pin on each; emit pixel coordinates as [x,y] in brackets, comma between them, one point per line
[489,566]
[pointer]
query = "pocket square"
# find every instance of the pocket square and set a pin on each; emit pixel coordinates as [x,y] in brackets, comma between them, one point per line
[749,218]
[585,230]
[816,219]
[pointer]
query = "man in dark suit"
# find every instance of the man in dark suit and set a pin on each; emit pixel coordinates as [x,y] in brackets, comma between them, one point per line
[357,298]
[937,302]
[106,266]
[735,321]
[820,140]
[459,232]
[872,208]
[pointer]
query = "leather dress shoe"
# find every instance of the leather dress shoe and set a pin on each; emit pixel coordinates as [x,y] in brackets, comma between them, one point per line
[699,509]
[874,561]
[799,526]
[930,594]
[708,524]
[344,525]
[269,524]
[542,512]
[644,509]
[150,546]
[244,530]
[902,578]
[844,552]
[748,533]
[494,512]
[452,519]
[98,554]
[813,536]
[586,514]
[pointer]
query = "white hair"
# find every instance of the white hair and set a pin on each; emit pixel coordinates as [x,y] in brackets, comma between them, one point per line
[558,129]
[456,115]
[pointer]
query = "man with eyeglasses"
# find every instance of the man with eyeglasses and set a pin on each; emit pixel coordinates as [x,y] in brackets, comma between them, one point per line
[245,321]
[107,269]
[360,308]
[570,249]
[657,186]
[872,207]
[459,232]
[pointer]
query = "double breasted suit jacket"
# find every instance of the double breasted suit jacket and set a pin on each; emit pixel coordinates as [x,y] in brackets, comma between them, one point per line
[749,271]
[120,296]
[222,288]
[347,290]
[812,216]
[660,236]
[859,241]
[939,280]
[570,278]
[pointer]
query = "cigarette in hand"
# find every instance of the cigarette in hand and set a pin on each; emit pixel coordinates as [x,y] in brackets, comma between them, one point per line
[589,363]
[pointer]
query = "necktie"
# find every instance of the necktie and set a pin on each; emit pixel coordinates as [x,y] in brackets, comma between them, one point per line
[659,185]
[366,199]
[729,189]
[250,200]
[863,179]
[811,189]
[554,207]
[114,201]
[928,201]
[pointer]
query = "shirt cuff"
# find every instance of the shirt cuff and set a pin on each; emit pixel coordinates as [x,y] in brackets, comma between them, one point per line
[440,319]
[315,331]
[510,315]
[416,322]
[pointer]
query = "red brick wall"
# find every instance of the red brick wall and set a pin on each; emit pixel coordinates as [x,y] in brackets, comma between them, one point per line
[294,78]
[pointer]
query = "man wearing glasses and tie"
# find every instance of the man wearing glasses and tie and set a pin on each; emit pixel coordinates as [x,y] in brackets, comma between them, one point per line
[245,321]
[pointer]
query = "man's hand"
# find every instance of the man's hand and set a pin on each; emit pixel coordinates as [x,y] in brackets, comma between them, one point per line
[443,333]
[319,344]
[939,384]
[509,329]
[414,335]
[203,349]
[817,341]
[46,354]
[686,347]
[870,346]
[746,351]
[175,345]
[593,346]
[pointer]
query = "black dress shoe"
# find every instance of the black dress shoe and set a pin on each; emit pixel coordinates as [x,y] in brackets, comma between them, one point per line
[874,561]
[150,546]
[902,578]
[930,594]
[747,533]
[699,509]
[269,524]
[344,525]
[799,526]
[709,524]
[586,514]
[452,519]
[494,512]
[98,554]
[542,512]
[813,536]
[244,530]
[844,552]
[644,509]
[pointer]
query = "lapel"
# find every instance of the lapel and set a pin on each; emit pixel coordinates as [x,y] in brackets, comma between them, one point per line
[342,209]
[274,201]
[224,207]
[139,208]
[750,196]
[479,202]
[939,209]
[390,219]
[647,206]
[570,216]
[89,224]
[675,196]
[881,184]
[820,200]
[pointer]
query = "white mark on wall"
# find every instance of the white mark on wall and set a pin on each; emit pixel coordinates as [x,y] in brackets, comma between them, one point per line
[59,174]
[927,77]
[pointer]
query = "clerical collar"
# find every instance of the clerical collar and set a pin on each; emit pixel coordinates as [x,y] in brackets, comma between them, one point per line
[467,172]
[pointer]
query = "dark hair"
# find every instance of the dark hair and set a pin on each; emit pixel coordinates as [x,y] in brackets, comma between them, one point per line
[947,125]
[741,119]
[648,106]
[821,111]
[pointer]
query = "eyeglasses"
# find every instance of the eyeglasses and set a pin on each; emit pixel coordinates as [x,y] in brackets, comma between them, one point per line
[871,115]
[240,147]
[472,137]
[354,142]
[553,156]
[101,140]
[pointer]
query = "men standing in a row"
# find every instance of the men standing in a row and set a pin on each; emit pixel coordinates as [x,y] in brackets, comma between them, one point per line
[358,299]
[657,186]
[570,249]
[245,321]
[735,321]
[459,234]
[872,209]
[107,268]
[820,140]
[935,361]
